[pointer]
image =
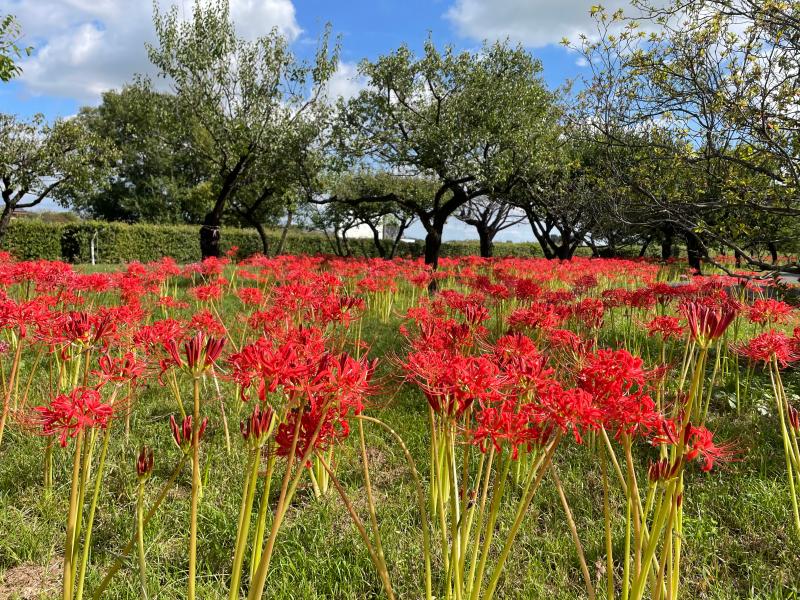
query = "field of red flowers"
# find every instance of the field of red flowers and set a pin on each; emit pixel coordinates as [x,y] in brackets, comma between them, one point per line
[311,427]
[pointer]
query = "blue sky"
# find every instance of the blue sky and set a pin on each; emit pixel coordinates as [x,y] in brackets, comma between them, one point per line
[83,47]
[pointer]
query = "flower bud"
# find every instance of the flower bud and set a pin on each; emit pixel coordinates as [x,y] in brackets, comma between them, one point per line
[144,463]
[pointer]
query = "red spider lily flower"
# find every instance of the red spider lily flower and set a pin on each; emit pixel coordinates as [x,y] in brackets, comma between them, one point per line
[764,347]
[589,312]
[700,445]
[144,463]
[769,311]
[257,428]
[451,383]
[119,369]
[666,327]
[663,470]
[505,424]
[794,418]
[158,333]
[206,322]
[182,434]
[200,354]
[707,323]
[251,296]
[617,383]
[69,414]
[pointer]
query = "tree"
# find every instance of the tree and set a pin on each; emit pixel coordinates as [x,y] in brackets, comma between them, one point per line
[375,199]
[489,217]
[57,161]
[156,179]
[686,115]
[239,102]
[10,50]
[468,121]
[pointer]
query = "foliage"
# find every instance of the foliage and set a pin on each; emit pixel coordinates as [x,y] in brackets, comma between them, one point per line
[468,120]
[243,107]
[10,50]
[157,180]
[39,160]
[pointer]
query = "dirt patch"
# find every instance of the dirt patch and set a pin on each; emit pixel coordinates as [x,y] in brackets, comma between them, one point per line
[31,582]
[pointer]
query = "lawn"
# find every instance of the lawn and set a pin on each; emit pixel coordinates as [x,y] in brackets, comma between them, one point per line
[737,534]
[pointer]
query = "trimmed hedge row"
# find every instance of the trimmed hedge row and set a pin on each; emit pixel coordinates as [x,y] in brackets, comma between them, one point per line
[121,242]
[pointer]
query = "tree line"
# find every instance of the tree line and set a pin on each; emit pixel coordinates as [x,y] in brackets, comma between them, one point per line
[683,131]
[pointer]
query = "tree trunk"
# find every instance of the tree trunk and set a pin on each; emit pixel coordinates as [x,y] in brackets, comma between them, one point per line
[485,235]
[693,252]
[284,233]
[209,236]
[263,235]
[376,240]
[667,239]
[645,246]
[773,252]
[5,219]
[738,257]
[433,243]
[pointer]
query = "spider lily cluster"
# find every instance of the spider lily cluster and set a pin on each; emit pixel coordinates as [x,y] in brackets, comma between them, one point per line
[513,360]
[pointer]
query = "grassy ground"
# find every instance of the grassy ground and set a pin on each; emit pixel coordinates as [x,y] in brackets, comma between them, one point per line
[739,540]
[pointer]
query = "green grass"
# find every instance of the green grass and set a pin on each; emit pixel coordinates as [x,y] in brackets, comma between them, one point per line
[739,540]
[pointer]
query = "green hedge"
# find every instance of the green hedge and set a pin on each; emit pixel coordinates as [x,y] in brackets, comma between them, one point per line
[119,242]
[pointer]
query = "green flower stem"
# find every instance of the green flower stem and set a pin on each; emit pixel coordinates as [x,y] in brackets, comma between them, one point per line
[587,578]
[263,509]
[140,540]
[540,468]
[72,517]
[129,546]
[287,491]
[248,495]
[370,499]
[378,563]
[195,491]
[494,508]
[87,542]
[426,540]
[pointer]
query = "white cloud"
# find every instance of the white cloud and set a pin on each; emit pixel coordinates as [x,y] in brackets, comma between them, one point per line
[533,22]
[84,47]
[346,82]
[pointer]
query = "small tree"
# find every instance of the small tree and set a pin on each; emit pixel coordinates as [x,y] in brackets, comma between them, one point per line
[57,161]
[468,121]
[239,102]
[489,217]
[157,180]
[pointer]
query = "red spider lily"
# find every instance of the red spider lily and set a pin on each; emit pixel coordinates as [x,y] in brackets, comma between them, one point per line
[182,434]
[158,333]
[452,383]
[338,388]
[707,323]
[764,347]
[589,312]
[505,424]
[69,414]
[119,369]
[206,322]
[617,383]
[667,327]
[251,296]
[794,418]
[257,428]
[145,462]
[769,311]
[700,445]
[200,354]
[663,470]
